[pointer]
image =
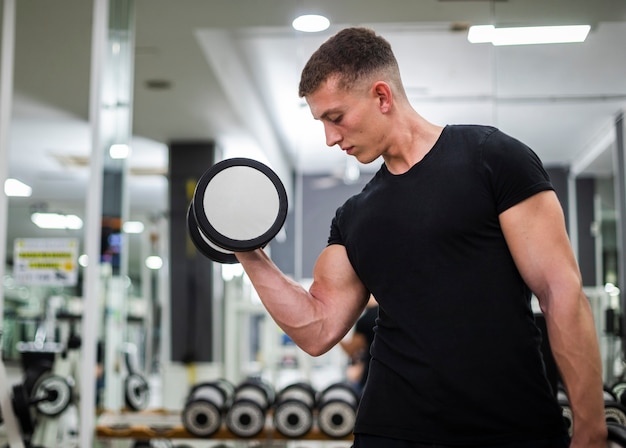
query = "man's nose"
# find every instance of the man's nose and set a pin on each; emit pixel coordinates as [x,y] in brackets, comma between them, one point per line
[333,137]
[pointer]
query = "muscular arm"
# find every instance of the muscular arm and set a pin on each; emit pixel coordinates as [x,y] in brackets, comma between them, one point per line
[535,232]
[316,319]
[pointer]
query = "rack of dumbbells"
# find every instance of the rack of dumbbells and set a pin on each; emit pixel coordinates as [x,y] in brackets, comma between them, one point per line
[250,410]
[254,410]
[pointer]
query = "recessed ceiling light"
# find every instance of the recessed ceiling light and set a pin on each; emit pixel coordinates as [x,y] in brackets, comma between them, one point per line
[528,35]
[310,23]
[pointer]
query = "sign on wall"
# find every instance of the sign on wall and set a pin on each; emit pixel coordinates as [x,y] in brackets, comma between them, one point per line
[45,261]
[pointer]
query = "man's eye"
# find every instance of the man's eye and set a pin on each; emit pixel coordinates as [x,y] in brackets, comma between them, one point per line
[336,120]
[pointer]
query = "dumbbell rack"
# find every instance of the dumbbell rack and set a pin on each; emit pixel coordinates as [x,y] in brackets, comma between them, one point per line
[163,424]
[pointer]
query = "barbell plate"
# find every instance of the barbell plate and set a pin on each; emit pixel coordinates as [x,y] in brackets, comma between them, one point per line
[204,245]
[240,204]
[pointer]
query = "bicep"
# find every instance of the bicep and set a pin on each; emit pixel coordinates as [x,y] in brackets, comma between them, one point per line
[337,285]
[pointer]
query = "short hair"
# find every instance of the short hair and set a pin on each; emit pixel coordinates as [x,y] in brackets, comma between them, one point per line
[352,54]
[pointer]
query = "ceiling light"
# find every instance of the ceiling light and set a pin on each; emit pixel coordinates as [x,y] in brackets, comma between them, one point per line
[119,151]
[56,221]
[310,23]
[154,262]
[133,227]
[15,188]
[528,35]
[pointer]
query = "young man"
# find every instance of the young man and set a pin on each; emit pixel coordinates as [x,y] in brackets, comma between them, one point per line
[452,236]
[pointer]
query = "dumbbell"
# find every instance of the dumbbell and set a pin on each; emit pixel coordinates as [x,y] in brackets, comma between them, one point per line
[136,387]
[136,392]
[337,405]
[618,389]
[205,406]
[50,396]
[614,410]
[293,410]
[238,205]
[616,435]
[246,416]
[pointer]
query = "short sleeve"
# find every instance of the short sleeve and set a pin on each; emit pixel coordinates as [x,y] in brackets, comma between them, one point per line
[516,172]
[335,234]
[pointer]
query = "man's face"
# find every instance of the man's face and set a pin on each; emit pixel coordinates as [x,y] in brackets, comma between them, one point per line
[351,118]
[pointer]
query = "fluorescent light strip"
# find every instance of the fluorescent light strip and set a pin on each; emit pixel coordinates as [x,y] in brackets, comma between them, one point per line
[56,221]
[15,188]
[528,35]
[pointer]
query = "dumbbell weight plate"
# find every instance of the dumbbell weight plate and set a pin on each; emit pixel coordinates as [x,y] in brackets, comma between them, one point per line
[615,412]
[245,418]
[52,395]
[293,418]
[136,392]
[204,245]
[336,418]
[240,204]
[201,417]
[568,418]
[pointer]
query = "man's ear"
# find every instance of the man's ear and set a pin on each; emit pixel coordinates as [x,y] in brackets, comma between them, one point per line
[383,93]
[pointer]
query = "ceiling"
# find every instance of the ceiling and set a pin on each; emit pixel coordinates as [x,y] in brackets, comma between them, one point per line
[228,71]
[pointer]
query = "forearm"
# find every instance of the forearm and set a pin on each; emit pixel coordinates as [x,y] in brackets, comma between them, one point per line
[315,320]
[575,347]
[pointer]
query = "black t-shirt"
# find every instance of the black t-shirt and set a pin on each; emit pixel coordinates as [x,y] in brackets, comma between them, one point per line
[365,326]
[456,357]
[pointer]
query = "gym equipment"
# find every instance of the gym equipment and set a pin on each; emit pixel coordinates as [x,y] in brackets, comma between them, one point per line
[239,204]
[205,407]
[293,410]
[615,412]
[618,390]
[337,405]
[617,435]
[251,402]
[52,395]
[136,388]
[204,245]
[568,417]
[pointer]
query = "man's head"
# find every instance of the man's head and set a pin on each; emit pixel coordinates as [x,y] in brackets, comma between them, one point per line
[352,55]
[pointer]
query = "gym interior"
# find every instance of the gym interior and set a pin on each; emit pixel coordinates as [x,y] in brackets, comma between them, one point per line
[124,325]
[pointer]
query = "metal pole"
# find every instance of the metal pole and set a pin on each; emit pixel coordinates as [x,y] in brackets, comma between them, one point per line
[93,207]
[6,95]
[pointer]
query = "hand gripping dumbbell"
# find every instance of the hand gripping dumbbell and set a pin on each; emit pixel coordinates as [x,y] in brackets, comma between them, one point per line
[205,407]
[337,405]
[238,205]
[293,410]
[246,416]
